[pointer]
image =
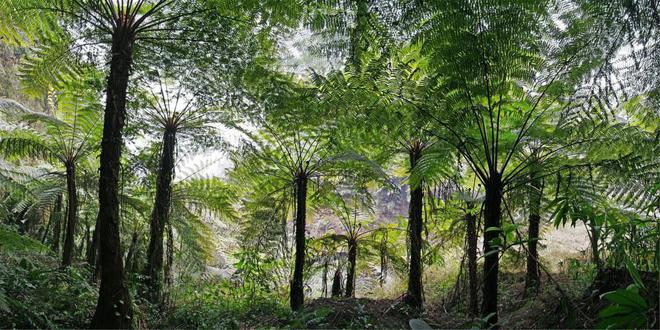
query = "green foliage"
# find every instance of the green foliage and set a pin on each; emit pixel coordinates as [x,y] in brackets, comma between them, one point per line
[628,309]
[10,241]
[308,319]
[327,317]
[218,303]
[35,293]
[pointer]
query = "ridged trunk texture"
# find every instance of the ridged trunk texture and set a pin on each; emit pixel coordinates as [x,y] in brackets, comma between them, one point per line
[350,275]
[56,218]
[297,294]
[159,218]
[532,279]
[72,214]
[336,283]
[169,263]
[415,223]
[471,237]
[492,217]
[113,309]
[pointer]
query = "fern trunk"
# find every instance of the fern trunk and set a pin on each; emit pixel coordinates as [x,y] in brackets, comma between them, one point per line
[86,246]
[471,237]
[492,220]
[56,218]
[113,309]
[594,238]
[72,214]
[159,217]
[350,275]
[336,283]
[169,264]
[324,282]
[532,279]
[94,246]
[297,294]
[131,254]
[414,294]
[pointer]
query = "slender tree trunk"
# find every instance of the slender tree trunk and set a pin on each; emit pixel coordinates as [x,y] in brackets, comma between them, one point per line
[336,283]
[92,252]
[95,257]
[383,259]
[56,219]
[297,294]
[532,279]
[159,217]
[47,229]
[492,218]
[72,214]
[471,237]
[113,309]
[350,275]
[594,231]
[324,283]
[594,237]
[132,252]
[414,296]
[87,246]
[169,262]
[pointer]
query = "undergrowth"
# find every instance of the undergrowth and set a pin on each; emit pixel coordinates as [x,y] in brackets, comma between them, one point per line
[36,293]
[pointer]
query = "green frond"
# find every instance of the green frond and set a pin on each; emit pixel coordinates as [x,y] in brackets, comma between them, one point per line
[25,144]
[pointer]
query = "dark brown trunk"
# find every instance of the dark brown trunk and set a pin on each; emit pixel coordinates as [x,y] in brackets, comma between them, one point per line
[492,230]
[113,309]
[159,217]
[47,229]
[471,236]
[336,283]
[594,238]
[72,214]
[87,246]
[91,256]
[383,259]
[132,251]
[95,258]
[56,219]
[324,282]
[415,293]
[350,275]
[297,294]
[532,279]
[169,262]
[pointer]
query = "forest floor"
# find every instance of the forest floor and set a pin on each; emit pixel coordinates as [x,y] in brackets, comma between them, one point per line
[547,309]
[36,293]
[565,301]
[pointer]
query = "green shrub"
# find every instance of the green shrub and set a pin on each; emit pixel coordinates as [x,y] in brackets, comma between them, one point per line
[35,293]
[10,241]
[221,304]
